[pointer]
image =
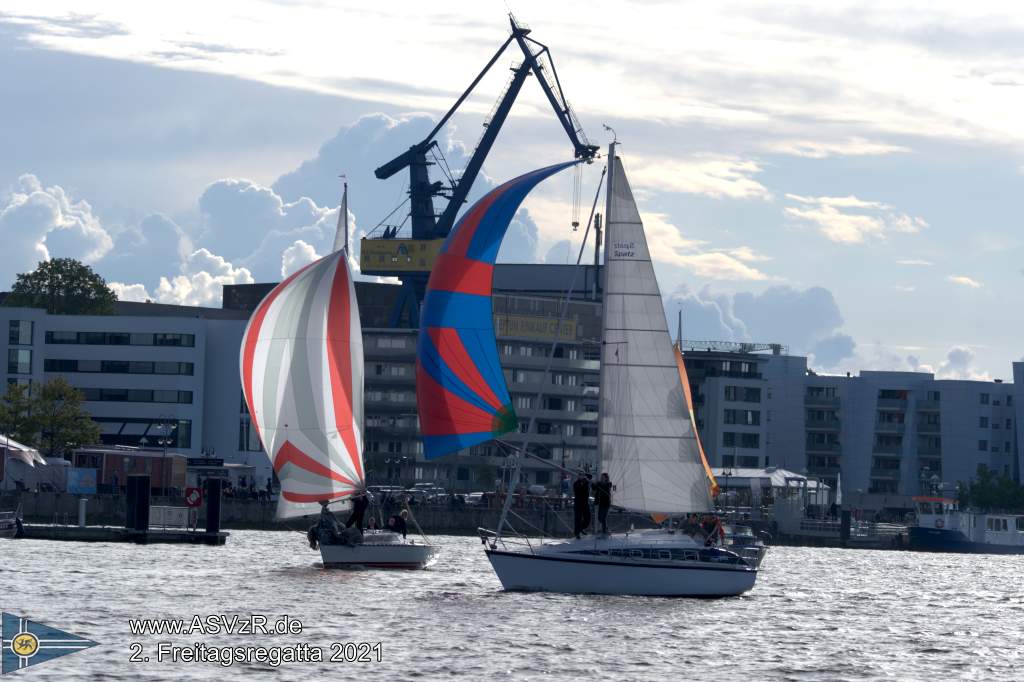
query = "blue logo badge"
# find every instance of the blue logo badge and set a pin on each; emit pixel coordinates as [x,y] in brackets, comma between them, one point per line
[26,643]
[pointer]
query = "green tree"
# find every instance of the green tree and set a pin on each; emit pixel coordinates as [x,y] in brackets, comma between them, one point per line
[992,492]
[63,286]
[17,416]
[63,423]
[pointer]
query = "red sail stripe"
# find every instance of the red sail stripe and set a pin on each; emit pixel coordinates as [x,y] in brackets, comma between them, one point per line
[463,236]
[289,454]
[454,354]
[253,335]
[307,497]
[453,414]
[460,274]
[339,360]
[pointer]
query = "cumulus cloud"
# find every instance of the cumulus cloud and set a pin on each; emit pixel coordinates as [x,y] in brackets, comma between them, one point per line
[38,222]
[202,279]
[965,281]
[560,253]
[806,320]
[129,292]
[295,256]
[520,243]
[721,177]
[959,364]
[849,220]
[156,237]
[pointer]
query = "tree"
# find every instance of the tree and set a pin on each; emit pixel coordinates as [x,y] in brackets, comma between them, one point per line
[63,423]
[990,491]
[63,286]
[17,418]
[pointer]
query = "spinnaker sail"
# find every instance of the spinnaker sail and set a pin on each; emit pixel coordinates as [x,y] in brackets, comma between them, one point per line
[460,390]
[648,445]
[302,378]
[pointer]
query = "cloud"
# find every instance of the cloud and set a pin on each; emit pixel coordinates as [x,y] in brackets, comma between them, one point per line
[914,261]
[849,220]
[130,292]
[959,364]
[906,288]
[965,281]
[37,223]
[806,320]
[668,245]
[202,279]
[295,256]
[721,177]
[156,238]
[520,242]
[856,146]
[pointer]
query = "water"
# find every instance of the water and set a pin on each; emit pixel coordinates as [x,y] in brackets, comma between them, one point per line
[815,614]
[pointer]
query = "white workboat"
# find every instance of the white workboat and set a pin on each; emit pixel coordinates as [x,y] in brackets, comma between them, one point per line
[302,377]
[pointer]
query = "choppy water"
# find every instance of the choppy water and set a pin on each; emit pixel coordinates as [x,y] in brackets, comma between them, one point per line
[815,614]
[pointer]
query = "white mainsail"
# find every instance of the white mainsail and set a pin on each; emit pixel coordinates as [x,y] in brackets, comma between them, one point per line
[648,444]
[302,377]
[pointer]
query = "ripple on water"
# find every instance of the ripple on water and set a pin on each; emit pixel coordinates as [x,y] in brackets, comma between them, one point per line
[815,614]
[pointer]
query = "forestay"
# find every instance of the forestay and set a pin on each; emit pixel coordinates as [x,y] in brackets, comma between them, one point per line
[648,444]
[302,377]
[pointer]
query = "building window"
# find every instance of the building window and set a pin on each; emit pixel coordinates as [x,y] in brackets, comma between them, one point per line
[19,361]
[20,333]
[982,422]
[984,398]
[118,366]
[141,432]
[983,445]
[390,342]
[731,439]
[136,395]
[933,396]
[121,338]
[524,402]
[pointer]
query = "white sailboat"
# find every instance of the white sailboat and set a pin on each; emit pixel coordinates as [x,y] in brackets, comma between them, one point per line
[647,443]
[302,377]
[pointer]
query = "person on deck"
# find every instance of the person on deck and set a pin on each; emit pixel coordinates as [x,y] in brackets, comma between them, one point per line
[581,505]
[396,524]
[603,499]
[326,530]
[359,505]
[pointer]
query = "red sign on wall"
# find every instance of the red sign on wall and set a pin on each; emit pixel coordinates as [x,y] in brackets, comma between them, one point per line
[193,497]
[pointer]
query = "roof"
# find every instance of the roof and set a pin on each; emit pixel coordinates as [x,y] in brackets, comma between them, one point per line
[777,477]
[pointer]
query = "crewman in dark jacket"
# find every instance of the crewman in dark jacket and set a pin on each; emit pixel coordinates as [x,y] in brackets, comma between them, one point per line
[359,505]
[603,499]
[581,504]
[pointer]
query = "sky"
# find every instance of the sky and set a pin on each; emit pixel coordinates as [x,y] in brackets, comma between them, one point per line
[841,178]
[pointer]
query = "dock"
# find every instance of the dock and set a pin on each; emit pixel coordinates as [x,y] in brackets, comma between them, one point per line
[152,536]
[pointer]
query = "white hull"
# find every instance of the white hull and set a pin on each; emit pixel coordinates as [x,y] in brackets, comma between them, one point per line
[625,565]
[378,551]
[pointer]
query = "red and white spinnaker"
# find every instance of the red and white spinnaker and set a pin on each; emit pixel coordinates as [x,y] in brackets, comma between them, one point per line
[302,377]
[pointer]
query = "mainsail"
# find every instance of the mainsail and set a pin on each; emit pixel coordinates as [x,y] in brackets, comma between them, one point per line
[460,391]
[302,377]
[648,444]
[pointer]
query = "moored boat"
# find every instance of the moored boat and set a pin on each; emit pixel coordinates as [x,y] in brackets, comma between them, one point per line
[942,527]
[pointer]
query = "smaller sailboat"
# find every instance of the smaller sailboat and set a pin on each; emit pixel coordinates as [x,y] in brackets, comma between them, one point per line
[302,377]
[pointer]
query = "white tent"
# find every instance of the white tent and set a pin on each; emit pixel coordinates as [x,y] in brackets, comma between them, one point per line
[14,449]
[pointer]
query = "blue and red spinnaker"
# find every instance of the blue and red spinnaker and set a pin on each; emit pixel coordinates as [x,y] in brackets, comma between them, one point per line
[460,390]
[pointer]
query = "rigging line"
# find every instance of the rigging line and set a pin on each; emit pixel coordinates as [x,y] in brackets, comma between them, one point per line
[397,208]
[517,463]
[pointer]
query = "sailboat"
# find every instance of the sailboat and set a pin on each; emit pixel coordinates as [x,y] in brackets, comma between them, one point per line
[647,438]
[302,378]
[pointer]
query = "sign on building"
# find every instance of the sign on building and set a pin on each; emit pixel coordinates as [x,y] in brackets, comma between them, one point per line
[531,327]
[384,256]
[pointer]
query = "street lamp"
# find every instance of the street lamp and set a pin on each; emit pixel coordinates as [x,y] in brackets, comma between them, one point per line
[167,430]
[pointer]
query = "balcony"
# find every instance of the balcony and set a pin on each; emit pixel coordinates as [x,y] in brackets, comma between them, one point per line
[831,472]
[887,449]
[824,424]
[892,404]
[820,401]
[823,447]
[890,474]
[929,451]
[928,405]
[928,428]
[889,427]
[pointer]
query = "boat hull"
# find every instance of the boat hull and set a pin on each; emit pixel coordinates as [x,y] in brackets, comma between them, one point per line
[942,540]
[522,571]
[398,555]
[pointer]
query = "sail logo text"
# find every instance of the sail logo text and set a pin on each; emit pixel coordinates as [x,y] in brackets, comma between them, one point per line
[217,624]
[623,249]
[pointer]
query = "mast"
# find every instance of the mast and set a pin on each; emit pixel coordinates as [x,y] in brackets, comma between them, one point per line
[341,235]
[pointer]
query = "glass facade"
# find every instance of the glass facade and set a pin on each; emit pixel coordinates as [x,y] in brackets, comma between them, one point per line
[121,338]
[118,366]
[20,333]
[19,361]
[137,395]
[132,431]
